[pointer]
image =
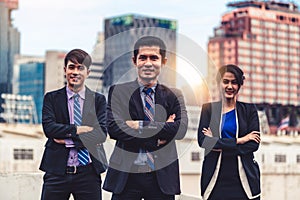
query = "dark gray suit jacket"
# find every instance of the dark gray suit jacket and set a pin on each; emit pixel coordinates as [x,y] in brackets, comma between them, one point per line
[56,124]
[125,103]
[247,122]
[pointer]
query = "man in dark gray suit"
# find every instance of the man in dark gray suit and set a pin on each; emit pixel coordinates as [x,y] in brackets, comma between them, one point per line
[145,118]
[74,120]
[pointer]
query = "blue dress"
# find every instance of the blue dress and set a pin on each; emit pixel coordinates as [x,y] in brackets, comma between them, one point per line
[228,185]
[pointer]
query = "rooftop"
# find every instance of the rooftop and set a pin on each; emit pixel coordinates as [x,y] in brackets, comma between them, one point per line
[267,4]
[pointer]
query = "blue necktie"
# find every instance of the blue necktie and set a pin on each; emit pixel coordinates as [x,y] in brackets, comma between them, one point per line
[149,116]
[83,154]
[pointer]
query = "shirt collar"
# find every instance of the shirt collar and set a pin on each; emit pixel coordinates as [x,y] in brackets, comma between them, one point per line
[142,87]
[70,93]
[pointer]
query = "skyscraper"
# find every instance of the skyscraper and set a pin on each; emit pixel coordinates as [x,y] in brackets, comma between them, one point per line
[29,80]
[263,38]
[121,32]
[9,44]
[32,82]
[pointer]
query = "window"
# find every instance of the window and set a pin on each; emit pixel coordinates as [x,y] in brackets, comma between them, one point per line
[298,159]
[195,156]
[23,154]
[280,158]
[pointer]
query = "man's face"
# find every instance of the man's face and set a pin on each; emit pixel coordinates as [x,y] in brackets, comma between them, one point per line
[76,75]
[149,63]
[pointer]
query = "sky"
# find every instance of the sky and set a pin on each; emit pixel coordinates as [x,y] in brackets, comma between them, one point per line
[66,24]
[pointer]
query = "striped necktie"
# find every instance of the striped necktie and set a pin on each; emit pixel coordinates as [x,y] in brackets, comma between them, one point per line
[83,154]
[149,116]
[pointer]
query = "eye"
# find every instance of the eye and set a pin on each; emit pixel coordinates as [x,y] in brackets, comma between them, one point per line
[142,57]
[71,67]
[81,67]
[225,81]
[154,58]
[234,82]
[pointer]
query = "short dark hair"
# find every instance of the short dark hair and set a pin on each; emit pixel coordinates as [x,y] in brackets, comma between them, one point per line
[238,73]
[149,41]
[78,56]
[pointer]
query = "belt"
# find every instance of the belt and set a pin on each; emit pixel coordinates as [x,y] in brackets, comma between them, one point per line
[141,169]
[78,169]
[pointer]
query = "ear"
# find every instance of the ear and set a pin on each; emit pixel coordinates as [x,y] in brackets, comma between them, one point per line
[88,72]
[164,60]
[65,69]
[133,60]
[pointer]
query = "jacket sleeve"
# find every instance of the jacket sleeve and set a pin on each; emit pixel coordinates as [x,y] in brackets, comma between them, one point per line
[210,118]
[51,127]
[168,131]
[252,124]
[227,145]
[171,130]
[96,118]
[116,120]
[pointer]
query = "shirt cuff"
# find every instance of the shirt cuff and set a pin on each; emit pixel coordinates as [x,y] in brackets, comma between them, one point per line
[140,126]
[69,143]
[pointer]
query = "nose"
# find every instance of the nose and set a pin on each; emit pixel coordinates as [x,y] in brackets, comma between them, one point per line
[229,85]
[75,71]
[148,62]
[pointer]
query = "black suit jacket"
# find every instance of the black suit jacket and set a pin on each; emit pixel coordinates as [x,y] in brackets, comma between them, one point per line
[125,103]
[56,124]
[247,122]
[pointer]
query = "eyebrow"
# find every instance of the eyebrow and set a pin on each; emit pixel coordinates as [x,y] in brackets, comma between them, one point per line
[151,57]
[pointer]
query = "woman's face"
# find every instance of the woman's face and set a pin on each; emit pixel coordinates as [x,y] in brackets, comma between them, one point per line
[229,86]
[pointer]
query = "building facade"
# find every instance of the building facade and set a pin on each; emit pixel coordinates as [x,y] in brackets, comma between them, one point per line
[22,147]
[54,70]
[263,38]
[121,32]
[32,83]
[9,44]
[95,79]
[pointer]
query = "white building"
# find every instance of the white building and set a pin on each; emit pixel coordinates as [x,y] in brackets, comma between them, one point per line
[21,148]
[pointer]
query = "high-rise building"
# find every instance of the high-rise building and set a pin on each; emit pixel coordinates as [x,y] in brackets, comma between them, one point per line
[29,80]
[121,33]
[9,44]
[263,38]
[54,70]
[95,78]
[32,82]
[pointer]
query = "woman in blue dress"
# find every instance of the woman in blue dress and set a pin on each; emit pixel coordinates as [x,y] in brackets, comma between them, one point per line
[229,133]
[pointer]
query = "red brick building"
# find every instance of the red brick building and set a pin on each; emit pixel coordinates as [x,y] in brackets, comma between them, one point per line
[263,38]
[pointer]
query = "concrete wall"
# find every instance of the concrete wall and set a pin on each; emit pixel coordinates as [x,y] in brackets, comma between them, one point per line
[28,186]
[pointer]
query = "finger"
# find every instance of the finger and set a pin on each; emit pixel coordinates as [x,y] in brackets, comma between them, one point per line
[257,139]
[256,132]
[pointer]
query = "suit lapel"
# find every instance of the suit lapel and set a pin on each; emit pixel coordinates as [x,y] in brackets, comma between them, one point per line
[160,104]
[216,112]
[88,104]
[136,107]
[62,104]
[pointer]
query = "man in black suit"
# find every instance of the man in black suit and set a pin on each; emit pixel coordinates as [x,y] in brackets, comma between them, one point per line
[145,118]
[74,120]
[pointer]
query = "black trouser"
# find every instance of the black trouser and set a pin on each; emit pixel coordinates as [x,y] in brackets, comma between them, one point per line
[85,184]
[142,186]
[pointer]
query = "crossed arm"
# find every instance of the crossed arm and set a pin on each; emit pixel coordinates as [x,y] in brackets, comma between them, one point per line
[244,144]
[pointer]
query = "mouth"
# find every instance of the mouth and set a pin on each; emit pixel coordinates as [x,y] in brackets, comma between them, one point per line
[229,92]
[75,78]
[148,71]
